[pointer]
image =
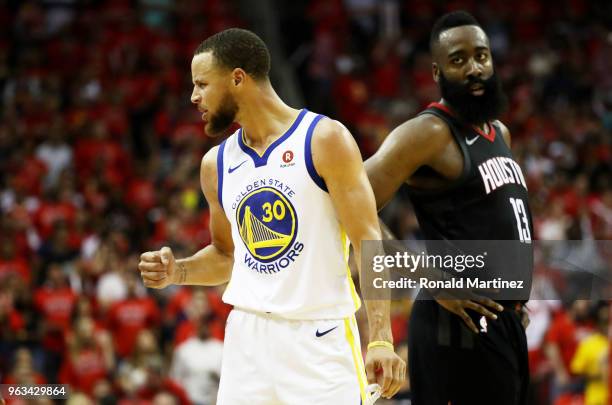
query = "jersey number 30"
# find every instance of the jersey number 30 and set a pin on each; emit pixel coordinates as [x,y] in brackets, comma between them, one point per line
[276,211]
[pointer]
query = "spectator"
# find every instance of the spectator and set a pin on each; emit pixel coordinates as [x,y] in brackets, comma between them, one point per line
[197,364]
[55,302]
[87,360]
[111,286]
[13,328]
[569,327]
[132,373]
[157,382]
[126,318]
[199,309]
[23,371]
[11,264]
[56,153]
[165,398]
[591,359]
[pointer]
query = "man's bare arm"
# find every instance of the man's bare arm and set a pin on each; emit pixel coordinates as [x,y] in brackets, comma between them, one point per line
[210,266]
[411,145]
[337,159]
[420,142]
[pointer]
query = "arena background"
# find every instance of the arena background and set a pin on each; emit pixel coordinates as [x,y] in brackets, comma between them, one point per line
[100,152]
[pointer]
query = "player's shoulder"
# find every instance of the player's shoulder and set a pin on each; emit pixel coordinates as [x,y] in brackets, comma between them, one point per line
[505,131]
[209,160]
[331,136]
[329,130]
[208,168]
[422,130]
[332,145]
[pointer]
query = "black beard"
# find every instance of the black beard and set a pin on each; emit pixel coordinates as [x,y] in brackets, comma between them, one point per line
[475,109]
[224,118]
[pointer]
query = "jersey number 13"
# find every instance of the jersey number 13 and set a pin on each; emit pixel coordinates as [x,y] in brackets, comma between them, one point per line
[522,222]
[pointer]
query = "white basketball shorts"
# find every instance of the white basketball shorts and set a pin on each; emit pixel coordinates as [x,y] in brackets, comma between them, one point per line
[269,360]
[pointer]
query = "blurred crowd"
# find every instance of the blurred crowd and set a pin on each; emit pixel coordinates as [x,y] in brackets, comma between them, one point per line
[100,154]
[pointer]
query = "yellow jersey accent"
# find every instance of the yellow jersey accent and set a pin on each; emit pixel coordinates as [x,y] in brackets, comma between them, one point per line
[346,252]
[357,359]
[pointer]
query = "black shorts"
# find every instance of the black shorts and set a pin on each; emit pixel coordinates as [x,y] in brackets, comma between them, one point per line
[448,362]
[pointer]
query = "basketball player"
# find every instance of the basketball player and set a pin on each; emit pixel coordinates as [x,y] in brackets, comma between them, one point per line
[286,192]
[464,185]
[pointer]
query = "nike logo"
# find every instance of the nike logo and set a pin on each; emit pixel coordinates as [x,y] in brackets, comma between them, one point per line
[319,334]
[471,141]
[483,324]
[231,169]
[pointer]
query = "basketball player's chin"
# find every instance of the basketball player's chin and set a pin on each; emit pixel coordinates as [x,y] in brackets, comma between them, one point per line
[213,132]
[210,131]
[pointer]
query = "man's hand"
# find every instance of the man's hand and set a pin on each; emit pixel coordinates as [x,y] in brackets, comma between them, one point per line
[458,306]
[158,269]
[385,368]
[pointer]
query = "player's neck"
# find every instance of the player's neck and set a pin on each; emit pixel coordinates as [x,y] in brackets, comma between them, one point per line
[264,117]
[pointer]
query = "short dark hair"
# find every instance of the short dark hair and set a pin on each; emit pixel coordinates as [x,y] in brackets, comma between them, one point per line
[448,21]
[238,48]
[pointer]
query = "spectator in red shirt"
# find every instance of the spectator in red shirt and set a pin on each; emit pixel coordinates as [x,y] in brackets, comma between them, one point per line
[568,328]
[11,264]
[13,325]
[199,309]
[16,225]
[102,155]
[126,318]
[104,340]
[86,361]
[23,371]
[52,210]
[29,169]
[157,382]
[55,302]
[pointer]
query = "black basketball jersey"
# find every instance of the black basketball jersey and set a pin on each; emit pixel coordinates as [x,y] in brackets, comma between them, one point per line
[488,201]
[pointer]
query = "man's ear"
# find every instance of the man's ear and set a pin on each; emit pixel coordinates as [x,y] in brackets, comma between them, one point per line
[435,71]
[238,76]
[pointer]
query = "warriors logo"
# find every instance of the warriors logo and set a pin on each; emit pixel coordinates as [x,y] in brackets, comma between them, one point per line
[267,224]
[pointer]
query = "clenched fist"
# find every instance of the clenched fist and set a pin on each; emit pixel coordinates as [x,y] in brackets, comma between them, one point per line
[158,269]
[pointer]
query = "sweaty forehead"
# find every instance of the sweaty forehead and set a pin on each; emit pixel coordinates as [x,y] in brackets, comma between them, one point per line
[464,38]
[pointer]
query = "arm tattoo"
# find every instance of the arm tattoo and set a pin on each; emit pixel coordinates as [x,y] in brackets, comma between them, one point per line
[182,273]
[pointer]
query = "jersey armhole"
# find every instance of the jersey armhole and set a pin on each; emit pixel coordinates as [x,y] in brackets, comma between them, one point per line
[220,173]
[498,132]
[312,171]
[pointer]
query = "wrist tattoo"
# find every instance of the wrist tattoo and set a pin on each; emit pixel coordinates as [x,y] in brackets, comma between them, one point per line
[182,273]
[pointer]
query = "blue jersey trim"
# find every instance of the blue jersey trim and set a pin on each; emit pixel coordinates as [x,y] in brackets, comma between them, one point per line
[308,155]
[263,159]
[220,172]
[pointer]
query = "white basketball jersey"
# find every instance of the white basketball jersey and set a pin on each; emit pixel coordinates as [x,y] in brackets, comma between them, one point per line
[290,251]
